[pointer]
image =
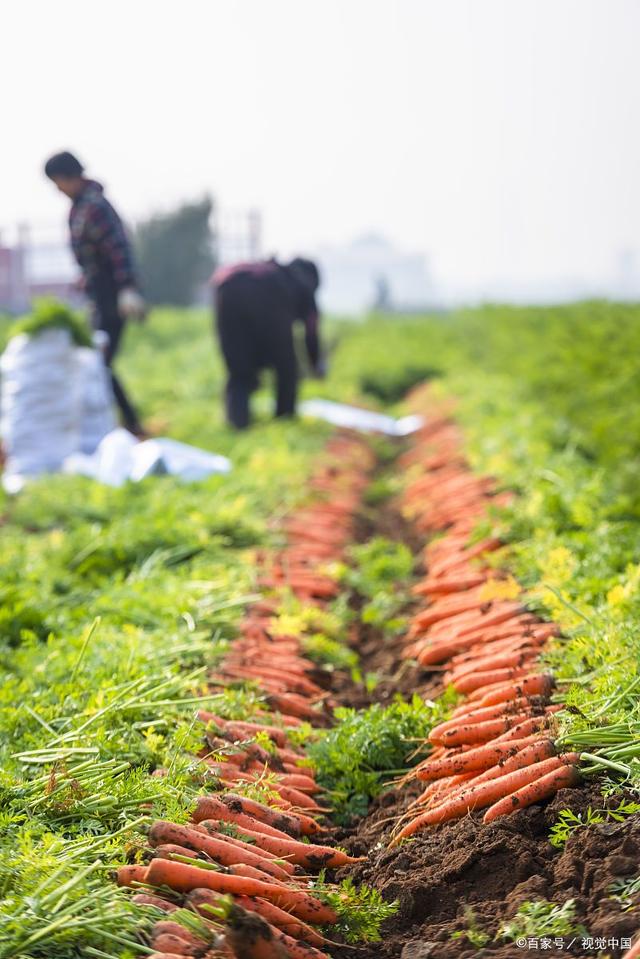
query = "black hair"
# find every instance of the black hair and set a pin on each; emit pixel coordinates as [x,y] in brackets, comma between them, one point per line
[306,271]
[63,164]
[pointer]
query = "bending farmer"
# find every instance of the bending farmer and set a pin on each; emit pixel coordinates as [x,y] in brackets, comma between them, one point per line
[257,305]
[103,252]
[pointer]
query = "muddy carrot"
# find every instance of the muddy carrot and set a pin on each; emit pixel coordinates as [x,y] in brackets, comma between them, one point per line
[539,684]
[477,759]
[303,854]
[220,850]
[213,808]
[537,791]
[177,945]
[145,899]
[130,875]
[485,794]
[475,733]
[292,823]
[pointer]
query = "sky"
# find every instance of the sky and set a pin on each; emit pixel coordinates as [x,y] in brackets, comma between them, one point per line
[498,137]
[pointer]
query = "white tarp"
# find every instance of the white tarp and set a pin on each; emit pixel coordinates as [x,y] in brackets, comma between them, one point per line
[355,418]
[120,457]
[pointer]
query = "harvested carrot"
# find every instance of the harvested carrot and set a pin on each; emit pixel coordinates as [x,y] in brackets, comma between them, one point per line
[131,875]
[475,733]
[482,795]
[220,850]
[213,808]
[145,899]
[476,759]
[177,946]
[303,854]
[483,678]
[207,806]
[539,684]
[183,878]
[548,785]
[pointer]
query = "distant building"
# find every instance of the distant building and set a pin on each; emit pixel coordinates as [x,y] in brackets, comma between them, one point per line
[371,272]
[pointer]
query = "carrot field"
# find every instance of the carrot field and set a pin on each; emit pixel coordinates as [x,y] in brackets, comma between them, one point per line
[359,697]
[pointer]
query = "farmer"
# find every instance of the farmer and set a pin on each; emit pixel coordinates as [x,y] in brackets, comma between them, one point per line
[103,252]
[257,305]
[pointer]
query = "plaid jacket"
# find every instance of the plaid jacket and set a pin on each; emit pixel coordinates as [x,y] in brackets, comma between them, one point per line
[98,239]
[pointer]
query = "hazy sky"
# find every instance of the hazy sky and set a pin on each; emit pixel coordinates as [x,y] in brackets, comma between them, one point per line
[502,137]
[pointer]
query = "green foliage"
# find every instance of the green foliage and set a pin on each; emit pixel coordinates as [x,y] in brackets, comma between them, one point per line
[366,748]
[175,253]
[541,918]
[380,572]
[568,822]
[472,931]
[361,910]
[626,891]
[48,313]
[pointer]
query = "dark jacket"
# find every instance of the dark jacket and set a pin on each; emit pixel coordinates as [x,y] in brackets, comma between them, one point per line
[99,242]
[267,286]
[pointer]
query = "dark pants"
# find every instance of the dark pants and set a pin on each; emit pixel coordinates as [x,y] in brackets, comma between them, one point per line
[256,333]
[106,316]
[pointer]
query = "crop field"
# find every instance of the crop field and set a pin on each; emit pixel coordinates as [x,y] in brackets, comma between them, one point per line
[361,697]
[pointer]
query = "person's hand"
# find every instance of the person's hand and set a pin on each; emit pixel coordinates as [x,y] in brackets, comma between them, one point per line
[131,305]
[319,371]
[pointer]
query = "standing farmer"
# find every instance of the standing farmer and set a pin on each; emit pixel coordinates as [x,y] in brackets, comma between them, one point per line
[103,252]
[257,305]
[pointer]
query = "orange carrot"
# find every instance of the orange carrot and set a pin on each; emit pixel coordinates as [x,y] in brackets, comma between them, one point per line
[485,794]
[476,733]
[130,875]
[539,684]
[475,759]
[177,946]
[183,878]
[144,899]
[220,850]
[567,775]
[303,854]
[213,808]
[292,823]
[483,678]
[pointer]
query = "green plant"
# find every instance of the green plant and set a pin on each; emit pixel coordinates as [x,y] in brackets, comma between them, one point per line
[361,910]
[472,932]
[364,749]
[568,821]
[626,891]
[541,918]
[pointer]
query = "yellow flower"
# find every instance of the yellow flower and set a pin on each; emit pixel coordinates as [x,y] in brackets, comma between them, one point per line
[507,588]
[617,595]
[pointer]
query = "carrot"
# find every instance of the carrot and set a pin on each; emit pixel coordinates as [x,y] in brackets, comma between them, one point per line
[207,807]
[144,899]
[535,792]
[535,752]
[251,937]
[244,730]
[168,850]
[483,678]
[527,728]
[164,955]
[177,946]
[482,795]
[481,714]
[539,684]
[166,927]
[468,734]
[283,920]
[292,823]
[511,659]
[215,809]
[477,759]
[303,854]
[220,850]
[634,952]
[130,875]
[183,878]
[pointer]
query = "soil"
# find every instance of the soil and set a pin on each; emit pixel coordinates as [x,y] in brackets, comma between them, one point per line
[467,875]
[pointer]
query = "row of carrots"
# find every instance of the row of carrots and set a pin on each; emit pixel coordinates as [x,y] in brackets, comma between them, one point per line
[497,750]
[245,868]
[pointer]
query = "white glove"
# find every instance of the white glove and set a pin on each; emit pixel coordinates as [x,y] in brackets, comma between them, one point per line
[131,304]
